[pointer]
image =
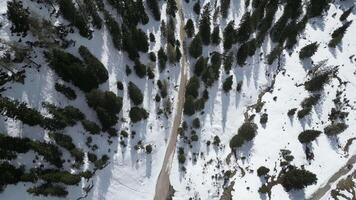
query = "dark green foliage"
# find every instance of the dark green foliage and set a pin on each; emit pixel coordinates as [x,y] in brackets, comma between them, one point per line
[154,7]
[171,8]
[66,91]
[229,35]
[262,171]
[137,114]
[192,88]
[196,47]
[316,7]
[275,53]
[346,14]
[291,112]
[162,59]
[62,117]
[48,189]
[196,123]
[264,118]
[72,69]
[152,56]
[102,162]
[140,69]
[204,25]
[107,105]
[56,176]
[50,152]
[244,31]
[224,8]
[245,50]
[318,80]
[245,133]
[189,106]
[308,136]
[70,13]
[215,36]
[194,137]
[135,94]
[278,28]
[189,28]
[309,50]
[196,7]
[228,61]
[20,111]
[216,140]
[94,65]
[133,41]
[92,9]
[338,34]
[91,127]
[148,149]
[200,65]
[335,129]
[181,158]
[19,16]
[115,30]
[296,178]
[307,105]
[9,175]
[227,85]
[66,142]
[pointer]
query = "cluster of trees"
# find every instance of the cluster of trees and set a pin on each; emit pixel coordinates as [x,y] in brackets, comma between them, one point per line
[137,114]
[16,110]
[107,105]
[294,178]
[307,105]
[75,17]
[62,117]
[19,16]
[86,75]
[50,152]
[91,127]
[66,142]
[66,91]
[335,128]
[319,78]
[48,189]
[246,132]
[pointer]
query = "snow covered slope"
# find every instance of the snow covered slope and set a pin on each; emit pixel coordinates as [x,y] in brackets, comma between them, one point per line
[132,173]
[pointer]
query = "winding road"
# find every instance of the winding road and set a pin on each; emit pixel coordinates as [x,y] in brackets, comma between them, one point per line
[163,182]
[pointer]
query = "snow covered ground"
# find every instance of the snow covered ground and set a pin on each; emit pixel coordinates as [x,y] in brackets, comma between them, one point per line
[132,174]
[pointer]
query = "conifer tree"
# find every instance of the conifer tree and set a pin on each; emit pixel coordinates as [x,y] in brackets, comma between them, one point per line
[154,7]
[215,36]
[204,25]
[224,8]
[171,8]
[19,16]
[189,28]
[196,47]
[309,50]
[229,35]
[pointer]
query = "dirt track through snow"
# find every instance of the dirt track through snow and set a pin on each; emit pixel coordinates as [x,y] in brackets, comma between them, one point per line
[163,183]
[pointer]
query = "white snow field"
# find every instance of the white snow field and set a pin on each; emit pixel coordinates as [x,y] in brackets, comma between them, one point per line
[132,174]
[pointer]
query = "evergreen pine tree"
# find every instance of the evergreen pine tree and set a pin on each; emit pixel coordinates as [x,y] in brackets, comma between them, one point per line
[189,28]
[204,25]
[154,7]
[196,47]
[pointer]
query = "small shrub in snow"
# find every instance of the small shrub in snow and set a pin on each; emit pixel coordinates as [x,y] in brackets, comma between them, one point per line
[264,118]
[148,149]
[196,123]
[227,85]
[262,171]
